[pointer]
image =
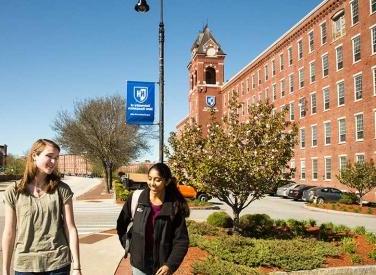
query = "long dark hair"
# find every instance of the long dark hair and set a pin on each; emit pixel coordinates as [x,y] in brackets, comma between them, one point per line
[171,187]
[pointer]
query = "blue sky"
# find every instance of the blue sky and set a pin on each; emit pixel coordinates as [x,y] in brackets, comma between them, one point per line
[54,53]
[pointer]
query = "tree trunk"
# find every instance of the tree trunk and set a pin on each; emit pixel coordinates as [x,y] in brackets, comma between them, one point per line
[236,214]
[106,177]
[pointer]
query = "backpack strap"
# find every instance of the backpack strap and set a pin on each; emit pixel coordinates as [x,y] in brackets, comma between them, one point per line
[135,196]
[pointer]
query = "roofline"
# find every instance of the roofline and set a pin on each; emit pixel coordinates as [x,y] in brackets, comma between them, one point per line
[272,45]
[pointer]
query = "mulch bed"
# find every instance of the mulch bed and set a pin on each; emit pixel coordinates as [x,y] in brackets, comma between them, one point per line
[346,208]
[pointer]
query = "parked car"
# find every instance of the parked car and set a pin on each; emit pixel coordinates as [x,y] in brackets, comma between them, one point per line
[274,187]
[322,194]
[297,192]
[283,191]
[190,192]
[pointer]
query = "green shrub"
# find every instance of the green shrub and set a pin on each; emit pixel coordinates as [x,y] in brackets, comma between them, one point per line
[312,222]
[280,223]
[296,227]
[216,266]
[220,219]
[202,228]
[120,191]
[348,245]
[372,254]
[369,210]
[370,237]
[360,230]
[341,229]
[256,225]
[349,198]
[356,259]
[325,230]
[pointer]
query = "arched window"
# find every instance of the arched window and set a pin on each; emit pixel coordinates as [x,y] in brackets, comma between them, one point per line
[210,75]
[191,82]
[195,78]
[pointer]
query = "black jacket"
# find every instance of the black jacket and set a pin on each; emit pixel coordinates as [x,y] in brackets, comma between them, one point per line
[170,232]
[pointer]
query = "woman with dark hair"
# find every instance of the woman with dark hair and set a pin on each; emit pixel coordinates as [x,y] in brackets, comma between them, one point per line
[39,218]
[159,233]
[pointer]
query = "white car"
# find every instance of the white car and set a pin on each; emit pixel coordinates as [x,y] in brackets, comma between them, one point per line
[283,191]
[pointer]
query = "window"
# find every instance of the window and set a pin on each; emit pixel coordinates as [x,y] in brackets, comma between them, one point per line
[314,169]
[338,24]
[373,6]
[247,84]
[302,138]
[323,33]
[253,81]
[313,103]
[292,167]
[358,86]
[341,93]
[359,127]
[373,39]
[354,12]
[312,71]
[266,72]
[274,91]
[325,65]
[283,87]
[374,80]
[281,62]
[314,135]
[356,48]
[210,75]
[311,42]
[302,111]
[291,111]
[328,168]
[248,105]
[291,83]
[339,58]
[300,49]
[289,55]
[326,98]
[301,78]
[342,162]
[258,76]
[302,170]
[359,158]
[273,67]
[266,93]
[327,133]
[342,130]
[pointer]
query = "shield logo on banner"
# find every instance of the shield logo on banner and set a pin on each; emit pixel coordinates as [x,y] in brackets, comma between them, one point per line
[140,94]
[210,101]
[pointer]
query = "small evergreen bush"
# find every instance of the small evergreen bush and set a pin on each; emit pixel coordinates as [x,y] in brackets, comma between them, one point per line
[372,254]
[202,228]
[349,198]
[256,225]
[348,245]
[220,219]
[296,227]
[120,191]
[360,230]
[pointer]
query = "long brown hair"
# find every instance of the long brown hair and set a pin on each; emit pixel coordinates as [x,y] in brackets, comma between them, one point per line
[31,169]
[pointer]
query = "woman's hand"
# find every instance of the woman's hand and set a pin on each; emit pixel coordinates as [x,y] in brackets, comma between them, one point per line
[163,270]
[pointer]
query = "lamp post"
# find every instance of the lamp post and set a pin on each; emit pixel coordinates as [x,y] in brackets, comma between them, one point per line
[142,6]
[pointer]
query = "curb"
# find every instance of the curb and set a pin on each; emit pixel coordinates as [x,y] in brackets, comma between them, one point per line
[338,212]
[204,208]
[347,270]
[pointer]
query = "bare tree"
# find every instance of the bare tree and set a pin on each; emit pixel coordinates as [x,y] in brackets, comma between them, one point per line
[97,130]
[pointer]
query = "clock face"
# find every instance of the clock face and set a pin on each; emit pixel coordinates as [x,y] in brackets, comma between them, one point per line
[211,52]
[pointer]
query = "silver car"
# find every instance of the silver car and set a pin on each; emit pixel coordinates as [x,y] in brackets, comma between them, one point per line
[283,191]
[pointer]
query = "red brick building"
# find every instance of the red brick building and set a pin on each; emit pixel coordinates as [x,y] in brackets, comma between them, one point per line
[74,165]
[323,70]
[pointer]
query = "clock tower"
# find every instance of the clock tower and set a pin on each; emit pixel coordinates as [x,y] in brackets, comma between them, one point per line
[206,77]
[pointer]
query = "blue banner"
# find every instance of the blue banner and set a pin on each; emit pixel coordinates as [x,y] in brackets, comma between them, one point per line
[140,104]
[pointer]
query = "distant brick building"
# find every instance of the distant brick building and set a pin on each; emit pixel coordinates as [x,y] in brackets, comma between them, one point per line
[323,70]
[3,155]
[74,165]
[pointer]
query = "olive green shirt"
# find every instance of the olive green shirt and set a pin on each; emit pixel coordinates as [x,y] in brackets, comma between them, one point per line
[41,244]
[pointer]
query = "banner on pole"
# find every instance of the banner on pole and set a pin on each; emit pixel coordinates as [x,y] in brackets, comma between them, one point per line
[140,103]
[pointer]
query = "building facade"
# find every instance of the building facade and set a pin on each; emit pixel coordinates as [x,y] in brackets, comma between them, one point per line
[74,165]
[323,70]
[3,155]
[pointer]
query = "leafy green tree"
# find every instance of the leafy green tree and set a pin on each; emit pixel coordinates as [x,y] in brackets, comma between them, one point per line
[97,130]
[15,165]
[237,161]
[361,176]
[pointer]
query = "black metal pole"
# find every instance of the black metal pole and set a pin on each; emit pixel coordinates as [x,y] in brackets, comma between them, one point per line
[161,83]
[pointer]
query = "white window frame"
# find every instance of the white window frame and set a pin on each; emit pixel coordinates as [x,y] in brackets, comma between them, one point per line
[282,89]
[356,126]
[340,162]
[313,105]
[374,122]
[353,48]
[373,39]
[340,15]
[301,77]
[302,141]
[327,122]
[292,166]
[273,67]
[311,46]
[312,71]
[352,12]
[336,50]
[302,107]
[357,155]
[253,81]
[258,77]
[339,129]
[314,126]
[281,62]
[299,45]
[342,81]
[370,7]
[326,158]
[355,76]
[373,71]
[303,169]
[321,33]
[314,159]
[291,83]
[326,56]
[274,92]
[291,111]
[266,72]
[290,59]
[326,88]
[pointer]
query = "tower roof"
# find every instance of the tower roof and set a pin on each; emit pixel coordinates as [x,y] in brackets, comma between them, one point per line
[204,40]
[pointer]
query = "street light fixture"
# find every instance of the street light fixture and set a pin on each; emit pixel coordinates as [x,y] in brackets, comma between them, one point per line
[142,6]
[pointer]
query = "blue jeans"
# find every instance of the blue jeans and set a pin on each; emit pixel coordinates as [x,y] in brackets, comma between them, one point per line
[61,271]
